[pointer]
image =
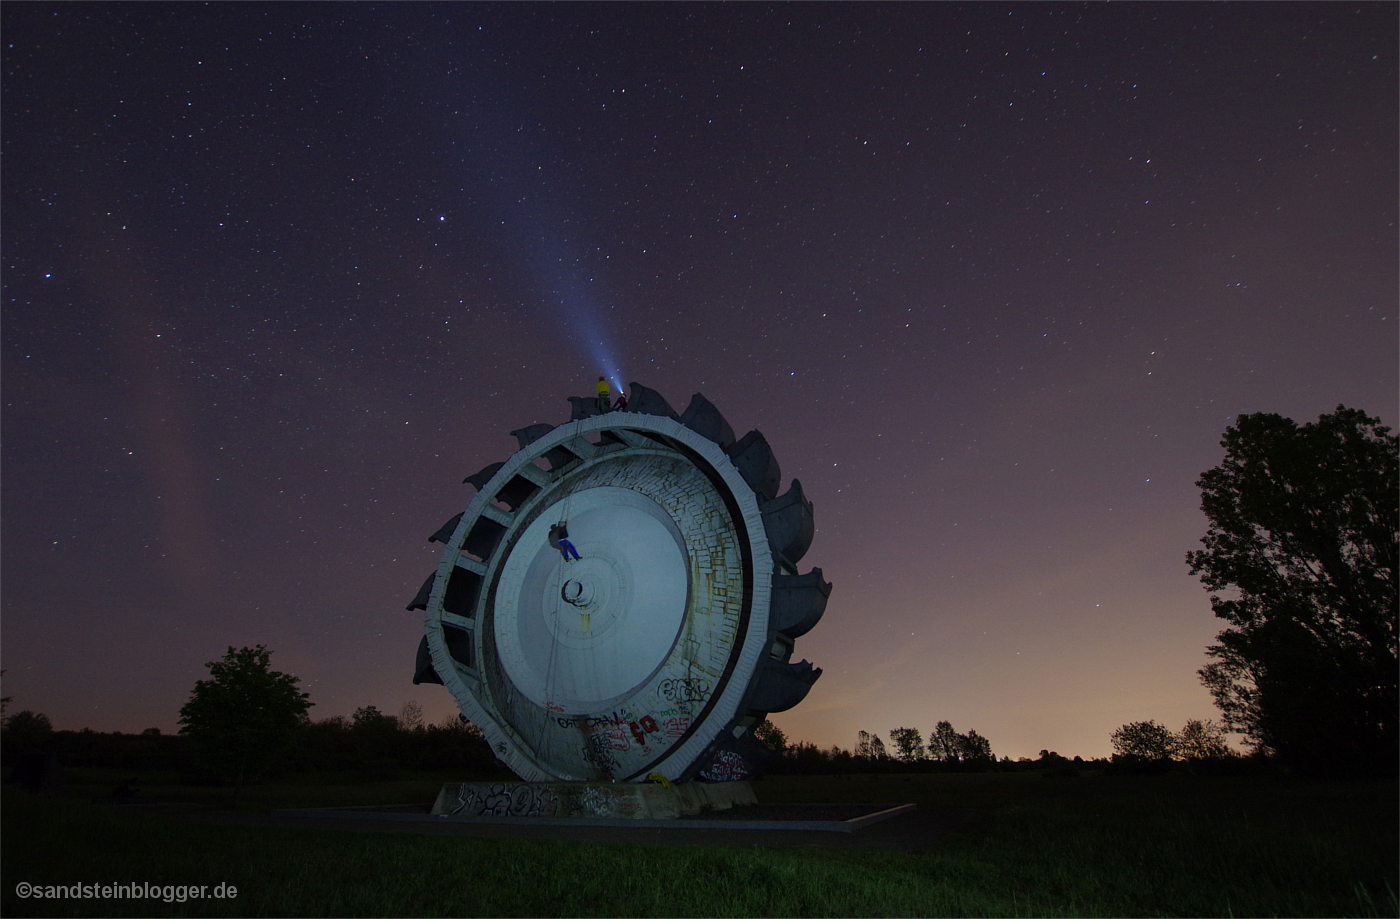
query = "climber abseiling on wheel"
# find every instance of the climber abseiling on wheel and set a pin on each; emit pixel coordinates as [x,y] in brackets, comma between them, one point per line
[559,539]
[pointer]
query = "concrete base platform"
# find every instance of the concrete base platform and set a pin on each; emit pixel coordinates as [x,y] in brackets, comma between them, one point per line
[840,818]
[593,800]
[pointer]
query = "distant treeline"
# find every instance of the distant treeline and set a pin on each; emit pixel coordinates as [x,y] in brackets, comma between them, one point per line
[809,759]
[376,745]
[371,743]
[1140,748]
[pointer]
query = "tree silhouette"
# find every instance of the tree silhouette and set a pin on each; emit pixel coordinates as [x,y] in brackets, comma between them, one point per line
[411,717]
[1145,740]
[771,736]
[943,743]
[370,718]
[1305,534]
[870,746]
[1202,740]
[908,744]
[974,748]
[245,715]
[28,729]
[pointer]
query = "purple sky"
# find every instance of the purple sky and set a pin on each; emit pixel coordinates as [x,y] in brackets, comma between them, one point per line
[992,280]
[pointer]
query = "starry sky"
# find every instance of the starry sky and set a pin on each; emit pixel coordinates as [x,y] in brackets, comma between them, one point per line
[992,279]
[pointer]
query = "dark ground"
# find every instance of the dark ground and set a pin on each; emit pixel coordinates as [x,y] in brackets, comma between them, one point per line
[912,831]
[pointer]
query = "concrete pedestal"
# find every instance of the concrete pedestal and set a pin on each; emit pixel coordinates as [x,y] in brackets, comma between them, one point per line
[589,799]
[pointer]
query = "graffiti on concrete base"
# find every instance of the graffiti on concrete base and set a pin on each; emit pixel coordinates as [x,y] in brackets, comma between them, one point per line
[503,799]
[593,802]
[559,799]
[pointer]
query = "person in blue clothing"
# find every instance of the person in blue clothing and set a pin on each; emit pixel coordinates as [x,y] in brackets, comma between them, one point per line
[559,539]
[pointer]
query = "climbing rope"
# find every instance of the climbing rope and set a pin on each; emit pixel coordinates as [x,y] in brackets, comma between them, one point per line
[557,599]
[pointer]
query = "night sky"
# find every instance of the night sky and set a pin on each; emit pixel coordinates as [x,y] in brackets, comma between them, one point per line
[992,279]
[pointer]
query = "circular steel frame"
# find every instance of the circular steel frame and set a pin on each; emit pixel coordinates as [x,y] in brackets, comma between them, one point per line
[664,715]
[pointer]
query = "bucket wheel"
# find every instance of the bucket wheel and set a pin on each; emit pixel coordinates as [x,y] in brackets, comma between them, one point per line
[670,634]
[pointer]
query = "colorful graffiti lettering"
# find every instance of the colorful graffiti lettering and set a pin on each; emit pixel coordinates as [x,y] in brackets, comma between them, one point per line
[642,727]
[726,767]
[619,731]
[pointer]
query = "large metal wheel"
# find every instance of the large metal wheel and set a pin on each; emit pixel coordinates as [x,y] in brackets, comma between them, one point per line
[670,636]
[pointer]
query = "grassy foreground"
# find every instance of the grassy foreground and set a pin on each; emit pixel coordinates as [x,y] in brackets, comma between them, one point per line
[1171,845]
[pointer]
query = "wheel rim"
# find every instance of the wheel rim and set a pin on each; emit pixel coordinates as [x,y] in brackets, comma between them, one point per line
[644,655]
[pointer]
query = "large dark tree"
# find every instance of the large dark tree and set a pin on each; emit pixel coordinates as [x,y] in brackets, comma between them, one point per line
[245,715]
[28,729]
[1144,740]
[771,736]
[943,743]
[908,745]
[1303,538]
[974,748]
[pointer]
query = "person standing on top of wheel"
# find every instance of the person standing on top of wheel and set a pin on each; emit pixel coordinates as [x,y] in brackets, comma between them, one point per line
[604,395]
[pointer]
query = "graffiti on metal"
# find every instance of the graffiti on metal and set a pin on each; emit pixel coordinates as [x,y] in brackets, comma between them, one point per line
[685,693]
[727,767]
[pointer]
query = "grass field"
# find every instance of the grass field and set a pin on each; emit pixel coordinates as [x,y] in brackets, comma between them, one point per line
[1097,845]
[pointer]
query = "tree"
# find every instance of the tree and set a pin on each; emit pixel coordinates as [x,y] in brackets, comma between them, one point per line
[806,758]
[28,729]
[1201,740]
[369,718]
[377,741]
[870,746]
[771,736]
[1146,740]
[245,715]
[457,724]
[908,744]
[411,717]
[974,748]
[943,743]
[1304,532]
